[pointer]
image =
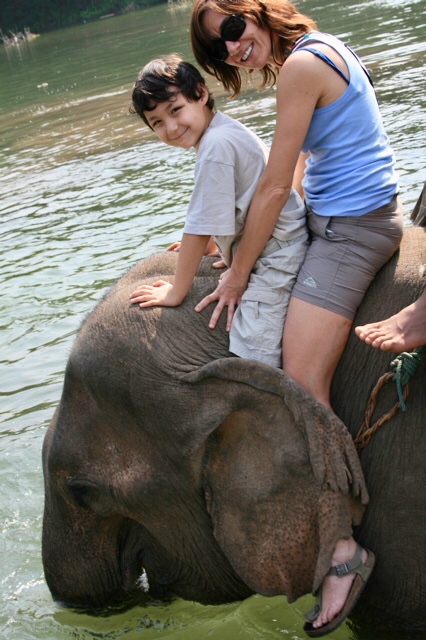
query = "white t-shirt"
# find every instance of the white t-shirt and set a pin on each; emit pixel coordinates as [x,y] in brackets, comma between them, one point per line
[230,162]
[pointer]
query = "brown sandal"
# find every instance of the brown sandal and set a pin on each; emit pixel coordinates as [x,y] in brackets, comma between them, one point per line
[363,571]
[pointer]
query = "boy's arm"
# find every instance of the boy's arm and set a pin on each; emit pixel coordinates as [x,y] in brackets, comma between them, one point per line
[299,174]
[211,248]
[163,293]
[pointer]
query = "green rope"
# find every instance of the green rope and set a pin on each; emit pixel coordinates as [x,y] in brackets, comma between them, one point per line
[404,367]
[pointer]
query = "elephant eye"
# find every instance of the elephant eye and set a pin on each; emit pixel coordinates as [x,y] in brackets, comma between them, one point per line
[89,496]
[80,493]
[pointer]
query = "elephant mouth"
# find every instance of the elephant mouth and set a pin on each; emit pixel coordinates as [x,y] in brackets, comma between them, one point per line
[196,590]
[165,577]
[142,583]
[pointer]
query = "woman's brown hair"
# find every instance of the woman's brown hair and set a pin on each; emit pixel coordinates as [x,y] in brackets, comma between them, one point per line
[278,16]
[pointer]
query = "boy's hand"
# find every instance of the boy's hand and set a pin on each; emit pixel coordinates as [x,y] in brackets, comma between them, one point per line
[220,264]
[160,294]
[175,246]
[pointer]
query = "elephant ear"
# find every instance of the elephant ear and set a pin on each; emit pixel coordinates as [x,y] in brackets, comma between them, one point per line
[282,479]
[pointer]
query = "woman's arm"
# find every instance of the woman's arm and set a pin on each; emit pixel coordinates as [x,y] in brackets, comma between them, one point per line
[298,90]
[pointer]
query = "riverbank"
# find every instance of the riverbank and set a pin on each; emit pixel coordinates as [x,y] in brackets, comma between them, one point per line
[15,18]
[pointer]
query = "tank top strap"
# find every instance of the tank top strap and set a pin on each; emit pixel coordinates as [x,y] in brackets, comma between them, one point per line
[326,59]
[360,64]
[300,45]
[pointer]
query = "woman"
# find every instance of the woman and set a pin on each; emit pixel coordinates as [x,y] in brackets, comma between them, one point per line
[327,108]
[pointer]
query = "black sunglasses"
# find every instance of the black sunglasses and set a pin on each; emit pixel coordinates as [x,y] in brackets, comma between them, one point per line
[231,30]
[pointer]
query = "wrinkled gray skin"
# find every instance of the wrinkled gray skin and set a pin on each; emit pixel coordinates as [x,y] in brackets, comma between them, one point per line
[219,475]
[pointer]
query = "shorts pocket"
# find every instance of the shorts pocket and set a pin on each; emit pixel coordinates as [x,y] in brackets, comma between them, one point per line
[258,297]
[259,321]
[270,247]
[330,230]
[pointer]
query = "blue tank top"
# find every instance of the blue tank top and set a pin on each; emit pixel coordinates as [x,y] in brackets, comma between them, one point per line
[350,170]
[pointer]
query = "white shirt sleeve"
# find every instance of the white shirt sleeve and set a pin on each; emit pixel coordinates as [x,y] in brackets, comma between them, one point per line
[211,210]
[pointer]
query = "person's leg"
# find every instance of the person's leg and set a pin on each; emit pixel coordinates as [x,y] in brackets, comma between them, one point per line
[313,342]
[335,589]
[402,332]
[342,260]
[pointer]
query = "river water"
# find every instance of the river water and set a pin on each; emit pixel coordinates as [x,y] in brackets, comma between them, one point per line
[86,191]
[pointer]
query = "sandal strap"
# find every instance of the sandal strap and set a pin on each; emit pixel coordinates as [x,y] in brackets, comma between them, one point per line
[355,565]
[313,613]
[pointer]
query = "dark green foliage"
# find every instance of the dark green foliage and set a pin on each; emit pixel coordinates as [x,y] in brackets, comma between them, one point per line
[46,15]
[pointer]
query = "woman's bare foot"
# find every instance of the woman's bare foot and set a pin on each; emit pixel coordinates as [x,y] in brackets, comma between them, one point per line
[335,589]
[402,332]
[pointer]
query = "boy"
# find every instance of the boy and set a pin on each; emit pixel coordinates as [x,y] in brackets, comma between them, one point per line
[171,97]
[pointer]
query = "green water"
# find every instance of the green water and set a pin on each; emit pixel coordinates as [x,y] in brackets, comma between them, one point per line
[86,191]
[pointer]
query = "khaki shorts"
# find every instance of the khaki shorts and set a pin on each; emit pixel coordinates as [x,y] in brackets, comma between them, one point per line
[257,326]
[344,256]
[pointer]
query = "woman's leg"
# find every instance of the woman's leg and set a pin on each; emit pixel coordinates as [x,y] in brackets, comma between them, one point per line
[343,258]
[335,589]
[313,342]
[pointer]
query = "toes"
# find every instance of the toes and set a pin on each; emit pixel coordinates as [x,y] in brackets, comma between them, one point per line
[387,345]
[369,339]
[367,333]
[323,619]
[375,338]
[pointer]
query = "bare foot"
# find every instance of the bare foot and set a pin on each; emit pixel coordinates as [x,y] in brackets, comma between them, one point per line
[335,589]
[402,332]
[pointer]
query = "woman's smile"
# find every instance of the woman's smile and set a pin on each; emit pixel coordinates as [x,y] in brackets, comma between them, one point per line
[252,50]
[247,53]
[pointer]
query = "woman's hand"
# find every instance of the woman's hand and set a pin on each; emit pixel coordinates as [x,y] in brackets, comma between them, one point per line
[228,294]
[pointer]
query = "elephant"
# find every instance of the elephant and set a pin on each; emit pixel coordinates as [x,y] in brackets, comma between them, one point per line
[219,477]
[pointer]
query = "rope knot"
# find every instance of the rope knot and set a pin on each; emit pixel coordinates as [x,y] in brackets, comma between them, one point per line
[404,367]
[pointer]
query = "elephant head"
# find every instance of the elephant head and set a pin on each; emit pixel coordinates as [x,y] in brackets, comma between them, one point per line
[217,476]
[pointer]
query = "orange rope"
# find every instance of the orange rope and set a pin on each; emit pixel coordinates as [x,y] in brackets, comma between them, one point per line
[366,431]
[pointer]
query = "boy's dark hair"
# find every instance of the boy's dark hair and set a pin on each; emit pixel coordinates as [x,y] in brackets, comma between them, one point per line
[158,81]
